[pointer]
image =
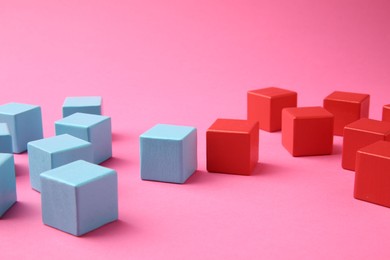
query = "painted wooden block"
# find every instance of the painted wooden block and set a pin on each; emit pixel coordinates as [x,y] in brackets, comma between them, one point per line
[89,105]
[49,153]
[386,113]
[95,129]
[7,182]
[307,131]
[232,146]
[346,107]
[24,123]
[5,139]
[79,197]
[360,134]
[265,105]
[168,153]
[372,178]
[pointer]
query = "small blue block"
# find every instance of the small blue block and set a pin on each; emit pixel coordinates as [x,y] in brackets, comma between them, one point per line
[24,123]
[95,129]
[79,197]
[5,139]
[7,182]
[89,105]
[49,153]
[168,153]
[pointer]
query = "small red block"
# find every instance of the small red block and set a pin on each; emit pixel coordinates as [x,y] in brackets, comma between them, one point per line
[346,107]
[386,113]
[372,179]
[361,133]
[307,131]
[266,105]
[232,146]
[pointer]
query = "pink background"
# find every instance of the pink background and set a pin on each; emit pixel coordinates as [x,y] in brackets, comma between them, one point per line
[188,63]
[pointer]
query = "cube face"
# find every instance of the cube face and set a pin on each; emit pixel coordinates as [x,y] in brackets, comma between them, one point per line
[359,134]
[386,113]
[89,105]
[24,123]
[232,146]
[346,107]
[307,131]
[49,153]
[7,182]
[168,153]
[266,105]
[79,197]
[372,178]
[95,129]
[5,139]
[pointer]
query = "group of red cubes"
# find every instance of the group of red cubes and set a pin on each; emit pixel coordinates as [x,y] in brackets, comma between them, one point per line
[232,144]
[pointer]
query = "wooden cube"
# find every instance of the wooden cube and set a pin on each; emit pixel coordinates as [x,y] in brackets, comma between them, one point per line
[359,134]
[307,131]
[7,182]
[346,107]
[265,105]
[386,113]
[232,146]
[88,105]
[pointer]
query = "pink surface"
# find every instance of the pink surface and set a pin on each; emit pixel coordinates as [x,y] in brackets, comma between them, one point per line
[188,63]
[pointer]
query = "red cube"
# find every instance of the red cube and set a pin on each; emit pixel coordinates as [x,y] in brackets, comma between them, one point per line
[266,105]
[386,113]
[359,134]
[307,131]
[346,107]
[232,146]
[372,178]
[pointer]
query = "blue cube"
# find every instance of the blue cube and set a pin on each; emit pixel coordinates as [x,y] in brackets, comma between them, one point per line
[24,123]
[89,105]
[79,197]
[5,139]
[95,129]
[168,153]
[7,182]
[49,153]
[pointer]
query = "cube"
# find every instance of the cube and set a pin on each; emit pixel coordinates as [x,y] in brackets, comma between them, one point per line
[232,146]
[346,107]
[360,134]
[24,122]
[79,197]
[168,153]
[7,182]
[307,131]
[372,178]
[49,153]
[265,105]
[89,105]
[95,129]
[386,113]
[5,139]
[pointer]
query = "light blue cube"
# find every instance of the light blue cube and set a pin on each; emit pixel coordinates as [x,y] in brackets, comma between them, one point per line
[5,139]
[7,182]
[49,153]
[89,105]
[79,197]
[168,153]
[95,129]
[24,123]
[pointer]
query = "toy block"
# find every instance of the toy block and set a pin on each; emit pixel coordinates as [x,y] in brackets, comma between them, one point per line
[372,178]
[265,105]
[307,131]
[88,105]
[232,146]
[24,123]
[360,134]
[386,113]
[346,107]
[5,139]
[49,153]
[7,182]
[95,129]
[79,197]
[168,153]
